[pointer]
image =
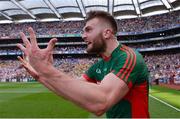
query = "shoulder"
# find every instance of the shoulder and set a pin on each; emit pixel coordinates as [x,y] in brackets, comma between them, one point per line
[131,54]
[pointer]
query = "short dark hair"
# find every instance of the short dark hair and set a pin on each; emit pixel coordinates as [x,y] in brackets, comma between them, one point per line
[103,15]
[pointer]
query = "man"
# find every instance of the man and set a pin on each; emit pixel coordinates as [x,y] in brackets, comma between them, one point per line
[117,84]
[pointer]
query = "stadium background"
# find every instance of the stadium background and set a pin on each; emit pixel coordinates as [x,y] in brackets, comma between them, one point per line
[150,26]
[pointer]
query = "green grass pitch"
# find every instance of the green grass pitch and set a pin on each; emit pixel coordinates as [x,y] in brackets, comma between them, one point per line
[160,110]
[32,100]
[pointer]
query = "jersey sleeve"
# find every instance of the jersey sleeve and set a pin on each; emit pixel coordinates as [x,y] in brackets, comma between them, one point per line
[89,75]
[123,67]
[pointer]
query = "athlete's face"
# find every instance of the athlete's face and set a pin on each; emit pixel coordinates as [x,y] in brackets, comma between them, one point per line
[93,36]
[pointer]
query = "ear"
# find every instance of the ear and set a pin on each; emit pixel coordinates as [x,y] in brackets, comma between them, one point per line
[107,33]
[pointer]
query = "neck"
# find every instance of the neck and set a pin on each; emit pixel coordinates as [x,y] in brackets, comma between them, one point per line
[111,45]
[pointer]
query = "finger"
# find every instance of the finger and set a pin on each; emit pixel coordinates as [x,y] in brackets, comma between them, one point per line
[23,63]
[33,37]
[22,48]
[25,58]
[29,69]
[25,40]
[22,60]
[51,44]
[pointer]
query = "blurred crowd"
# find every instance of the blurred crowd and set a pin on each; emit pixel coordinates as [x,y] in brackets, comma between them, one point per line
[165,67]
[150,23]
[81,49]
[125,26]
[12,71]
[57,50]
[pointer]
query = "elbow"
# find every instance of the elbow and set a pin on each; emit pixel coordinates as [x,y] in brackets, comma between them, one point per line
[98,109]
[99,105]
[100,112]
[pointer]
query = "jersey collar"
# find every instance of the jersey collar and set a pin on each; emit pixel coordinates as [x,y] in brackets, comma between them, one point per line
[105,58]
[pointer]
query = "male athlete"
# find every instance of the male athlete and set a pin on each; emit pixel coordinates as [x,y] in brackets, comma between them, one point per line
[116,85]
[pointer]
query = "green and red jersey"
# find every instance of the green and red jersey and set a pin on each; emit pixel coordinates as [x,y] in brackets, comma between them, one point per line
[130,67]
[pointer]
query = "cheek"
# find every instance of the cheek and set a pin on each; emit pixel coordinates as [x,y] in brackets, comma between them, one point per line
[94,36]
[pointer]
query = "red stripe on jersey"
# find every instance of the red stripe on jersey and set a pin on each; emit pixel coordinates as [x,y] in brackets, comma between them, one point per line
[138,97]
[125,64]
[130,84]
[133,65]
[127,70]
[125,73]
[89,79]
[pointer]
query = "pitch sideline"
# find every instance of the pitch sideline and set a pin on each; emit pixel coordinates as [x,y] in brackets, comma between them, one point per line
[165,103]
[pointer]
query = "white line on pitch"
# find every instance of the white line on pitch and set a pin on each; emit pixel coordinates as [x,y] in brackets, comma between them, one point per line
[165,103]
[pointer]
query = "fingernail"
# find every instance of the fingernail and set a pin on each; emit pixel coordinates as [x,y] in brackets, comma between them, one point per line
[17,45]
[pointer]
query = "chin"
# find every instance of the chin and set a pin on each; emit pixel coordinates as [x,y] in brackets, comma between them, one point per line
[88,51]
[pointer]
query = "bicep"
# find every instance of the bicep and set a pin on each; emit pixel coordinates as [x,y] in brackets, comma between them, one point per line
[82,78]
[86,78]
[114,87]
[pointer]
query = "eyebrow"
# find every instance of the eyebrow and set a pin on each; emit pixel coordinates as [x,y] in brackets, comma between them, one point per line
[86,27]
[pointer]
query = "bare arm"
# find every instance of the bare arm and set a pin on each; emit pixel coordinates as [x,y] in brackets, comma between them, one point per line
[95,98]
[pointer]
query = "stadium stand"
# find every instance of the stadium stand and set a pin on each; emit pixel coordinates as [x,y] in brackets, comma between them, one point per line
[156,37]
[125,26]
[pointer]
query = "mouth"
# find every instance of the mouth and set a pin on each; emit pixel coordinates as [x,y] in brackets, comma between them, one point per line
[88,43]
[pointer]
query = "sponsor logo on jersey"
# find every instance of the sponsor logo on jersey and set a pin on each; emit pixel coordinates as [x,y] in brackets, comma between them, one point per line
[105,69]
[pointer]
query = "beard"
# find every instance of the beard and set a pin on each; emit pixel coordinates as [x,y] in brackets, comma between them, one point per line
[98,45]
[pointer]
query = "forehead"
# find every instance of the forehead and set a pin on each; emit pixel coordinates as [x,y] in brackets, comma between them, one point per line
[92,23]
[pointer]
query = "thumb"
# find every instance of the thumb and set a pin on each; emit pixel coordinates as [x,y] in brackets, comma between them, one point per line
[51,44]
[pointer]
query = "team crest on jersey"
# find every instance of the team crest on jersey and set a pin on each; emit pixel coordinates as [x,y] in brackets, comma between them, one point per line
[98,71]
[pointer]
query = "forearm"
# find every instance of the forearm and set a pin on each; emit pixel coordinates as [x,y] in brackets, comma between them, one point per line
[87,95]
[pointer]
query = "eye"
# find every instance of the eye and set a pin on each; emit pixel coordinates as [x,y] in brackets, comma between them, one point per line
[88,29]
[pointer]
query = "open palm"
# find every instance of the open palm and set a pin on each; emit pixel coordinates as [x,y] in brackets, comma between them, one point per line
[38,59]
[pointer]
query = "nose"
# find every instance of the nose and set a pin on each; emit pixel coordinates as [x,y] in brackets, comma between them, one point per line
[84,36]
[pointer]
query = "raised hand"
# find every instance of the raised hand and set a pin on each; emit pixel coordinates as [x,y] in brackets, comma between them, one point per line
[38,59]
[28,67]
